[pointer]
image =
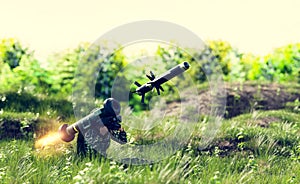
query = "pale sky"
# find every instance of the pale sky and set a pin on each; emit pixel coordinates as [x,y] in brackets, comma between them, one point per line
[255,26]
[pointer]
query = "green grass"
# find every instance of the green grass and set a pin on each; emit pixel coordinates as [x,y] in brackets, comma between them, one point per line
[258,155]
[19,163]
[12,101]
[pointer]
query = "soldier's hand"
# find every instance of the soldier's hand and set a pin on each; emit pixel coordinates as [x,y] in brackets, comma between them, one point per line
[122,135]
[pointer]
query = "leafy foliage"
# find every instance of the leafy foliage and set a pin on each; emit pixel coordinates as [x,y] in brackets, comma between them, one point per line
[280,66]
[11,52]
[20,70]
[109,68]
[283,64]
[62,67]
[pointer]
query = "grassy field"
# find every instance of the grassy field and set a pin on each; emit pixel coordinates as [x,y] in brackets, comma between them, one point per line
[259,147]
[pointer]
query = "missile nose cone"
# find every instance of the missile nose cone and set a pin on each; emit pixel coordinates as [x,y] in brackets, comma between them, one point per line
[186,65]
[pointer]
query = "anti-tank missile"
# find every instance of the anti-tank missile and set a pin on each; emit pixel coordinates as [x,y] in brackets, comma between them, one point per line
[157,82]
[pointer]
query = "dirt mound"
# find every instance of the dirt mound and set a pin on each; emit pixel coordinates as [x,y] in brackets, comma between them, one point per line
[244,98]
[17,125]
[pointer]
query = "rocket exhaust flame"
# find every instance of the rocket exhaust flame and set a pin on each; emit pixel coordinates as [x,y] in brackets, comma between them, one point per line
[50,139]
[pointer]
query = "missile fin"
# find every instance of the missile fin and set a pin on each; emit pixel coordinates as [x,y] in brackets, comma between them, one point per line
[161,88]
[151,76]
[137,84]
[143,98]
[157,89]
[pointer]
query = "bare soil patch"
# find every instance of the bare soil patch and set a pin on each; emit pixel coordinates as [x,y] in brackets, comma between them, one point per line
[243,98]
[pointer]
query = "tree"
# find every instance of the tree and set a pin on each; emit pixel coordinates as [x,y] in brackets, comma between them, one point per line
[12,52]
[20,70]
[283,64]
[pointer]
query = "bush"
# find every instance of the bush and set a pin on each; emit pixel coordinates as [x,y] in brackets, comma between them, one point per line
[19,70]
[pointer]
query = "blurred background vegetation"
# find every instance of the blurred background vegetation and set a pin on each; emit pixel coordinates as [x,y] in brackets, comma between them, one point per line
[21,72]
